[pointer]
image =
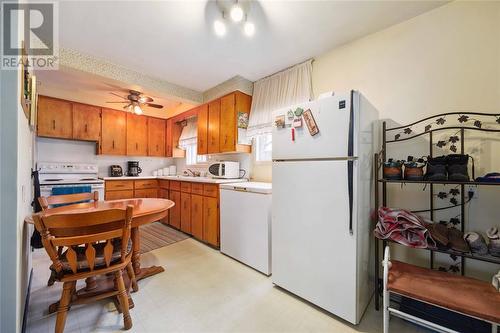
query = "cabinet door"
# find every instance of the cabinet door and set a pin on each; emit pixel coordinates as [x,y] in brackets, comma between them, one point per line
[202,147]
[86,122]
[146,193]
[163,194]
[114,132]
[175,212]
[210,221]
[137,135]
[168,138]
[54,118]
[156,136]
[122,194]
[186,212]
[197,216]
[227,129]
[213,127]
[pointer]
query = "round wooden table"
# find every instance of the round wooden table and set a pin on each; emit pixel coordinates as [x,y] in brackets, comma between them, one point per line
[146,210]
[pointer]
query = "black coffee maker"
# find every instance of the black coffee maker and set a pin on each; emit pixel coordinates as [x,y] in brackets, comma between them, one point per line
[133,168]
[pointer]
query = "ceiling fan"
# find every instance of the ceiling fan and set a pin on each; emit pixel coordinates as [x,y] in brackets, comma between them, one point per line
[135,100]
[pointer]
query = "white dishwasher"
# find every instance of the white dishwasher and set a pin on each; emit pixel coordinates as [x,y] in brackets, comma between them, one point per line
[245,223]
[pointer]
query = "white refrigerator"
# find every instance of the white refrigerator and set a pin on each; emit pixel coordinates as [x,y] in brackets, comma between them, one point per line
[322,200]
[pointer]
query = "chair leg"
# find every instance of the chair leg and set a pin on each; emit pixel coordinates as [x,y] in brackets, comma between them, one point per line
[52,278]
[64,303]
[131,276]
[123,299]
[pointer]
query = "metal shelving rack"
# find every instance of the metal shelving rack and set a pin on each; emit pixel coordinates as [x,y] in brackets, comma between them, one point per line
[381,157]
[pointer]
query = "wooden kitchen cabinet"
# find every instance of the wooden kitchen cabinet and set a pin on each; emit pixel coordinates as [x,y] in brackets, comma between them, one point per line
[186,212]
[113,132]
[202,147]
[145,183]
[54,118]
[86,122]
[121,194]
[230,106]
[156,136]
[163,193]
[137,135]
[168,138]
[197,216]
[175,212]
[211,221]
[146,193]
[116,185]
[213,127]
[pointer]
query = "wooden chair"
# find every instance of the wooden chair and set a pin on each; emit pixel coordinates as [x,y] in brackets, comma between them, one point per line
[67,199]
[95,243]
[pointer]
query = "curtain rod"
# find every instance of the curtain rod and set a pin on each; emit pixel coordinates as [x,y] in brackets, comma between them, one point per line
[285,69]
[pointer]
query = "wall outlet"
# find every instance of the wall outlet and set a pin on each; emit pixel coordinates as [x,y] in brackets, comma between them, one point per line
[472,193]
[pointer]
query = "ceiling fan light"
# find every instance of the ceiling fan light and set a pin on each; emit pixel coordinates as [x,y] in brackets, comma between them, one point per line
[249,29]
[219,28]
[138,110]
[236,13]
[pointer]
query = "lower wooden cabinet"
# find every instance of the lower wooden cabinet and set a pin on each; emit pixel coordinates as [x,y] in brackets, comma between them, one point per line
[146,193]
[186,212]
[119,194]
[197,216]
[175,212]
[211,221]
[163,193]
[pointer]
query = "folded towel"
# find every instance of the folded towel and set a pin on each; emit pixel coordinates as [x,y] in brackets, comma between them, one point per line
[403,227]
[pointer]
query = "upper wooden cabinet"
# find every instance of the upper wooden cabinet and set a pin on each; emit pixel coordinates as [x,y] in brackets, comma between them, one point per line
[137,135]
[54,118]
[114,132]
[86,122]
[202,147]
[156,136]
[213,127]
[230,107]
[168,138]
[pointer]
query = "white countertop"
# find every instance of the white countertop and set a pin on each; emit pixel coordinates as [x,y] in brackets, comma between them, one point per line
[181,178]
[255,187]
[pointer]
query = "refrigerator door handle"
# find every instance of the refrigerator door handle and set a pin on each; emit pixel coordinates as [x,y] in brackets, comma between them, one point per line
[350,140]
[350,187]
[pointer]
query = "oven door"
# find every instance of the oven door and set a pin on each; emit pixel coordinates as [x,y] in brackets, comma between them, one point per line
[46,190]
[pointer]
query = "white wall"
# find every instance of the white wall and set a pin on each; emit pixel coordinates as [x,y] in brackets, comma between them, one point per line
[56,150]
[447,59]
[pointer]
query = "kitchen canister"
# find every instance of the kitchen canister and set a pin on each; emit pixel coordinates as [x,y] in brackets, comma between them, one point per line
[166,171]
[160,172]
[155,173]
[172,170]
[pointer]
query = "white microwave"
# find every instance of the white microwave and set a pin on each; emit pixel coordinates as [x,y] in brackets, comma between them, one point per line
[225,169]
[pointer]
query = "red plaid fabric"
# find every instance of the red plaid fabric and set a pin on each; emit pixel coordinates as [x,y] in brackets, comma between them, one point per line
[403,227]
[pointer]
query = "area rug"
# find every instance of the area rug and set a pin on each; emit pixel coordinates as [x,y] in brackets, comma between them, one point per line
[157,234]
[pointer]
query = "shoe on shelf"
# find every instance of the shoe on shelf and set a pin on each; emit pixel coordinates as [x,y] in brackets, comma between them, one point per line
[393,170]
[436,168]
[457,166]
[414,169]
[457,241]
[494,245]
[440,233]
[476,243]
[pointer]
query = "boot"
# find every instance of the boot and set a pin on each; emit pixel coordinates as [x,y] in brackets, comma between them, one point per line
[457,167]
[393,170]
[436,168]
[414,169]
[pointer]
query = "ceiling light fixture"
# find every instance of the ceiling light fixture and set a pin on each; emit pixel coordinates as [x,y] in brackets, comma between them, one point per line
[249,29]
[138,110]
[236,13]
[219,28]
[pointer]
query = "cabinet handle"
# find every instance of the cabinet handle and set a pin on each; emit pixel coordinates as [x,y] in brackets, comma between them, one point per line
[156,147]
[53,124]
[119,185]
[225,139]
[113,144]
[86,128]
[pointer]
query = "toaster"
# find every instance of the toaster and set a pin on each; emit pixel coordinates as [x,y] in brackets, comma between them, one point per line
[225,169]
[115,171]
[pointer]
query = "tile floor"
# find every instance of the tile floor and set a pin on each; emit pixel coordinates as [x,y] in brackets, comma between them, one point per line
[200,291]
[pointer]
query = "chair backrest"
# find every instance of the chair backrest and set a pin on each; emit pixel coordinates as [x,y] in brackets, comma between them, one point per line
[85,230]
[65,199]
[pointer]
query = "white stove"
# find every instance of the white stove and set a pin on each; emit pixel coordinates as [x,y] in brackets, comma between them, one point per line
[54,174]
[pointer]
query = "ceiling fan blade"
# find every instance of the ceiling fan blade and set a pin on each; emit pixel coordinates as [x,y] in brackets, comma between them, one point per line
[158,106]
[145,99]
[118,102]
[112,93]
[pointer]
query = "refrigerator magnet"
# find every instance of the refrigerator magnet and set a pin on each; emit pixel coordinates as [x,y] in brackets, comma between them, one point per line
[279,121]
[298,112]
[297,122]
[290,115]
[310,122]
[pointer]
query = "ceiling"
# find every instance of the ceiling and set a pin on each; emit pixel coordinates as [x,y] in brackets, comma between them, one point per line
[174,40]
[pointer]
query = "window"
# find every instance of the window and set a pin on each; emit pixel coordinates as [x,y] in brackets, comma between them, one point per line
[192,157]
[263,147]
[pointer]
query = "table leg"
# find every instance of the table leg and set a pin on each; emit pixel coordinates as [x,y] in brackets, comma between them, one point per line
[141,272]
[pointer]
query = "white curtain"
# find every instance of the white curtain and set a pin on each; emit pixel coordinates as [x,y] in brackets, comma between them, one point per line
[291,86]
[189,134]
